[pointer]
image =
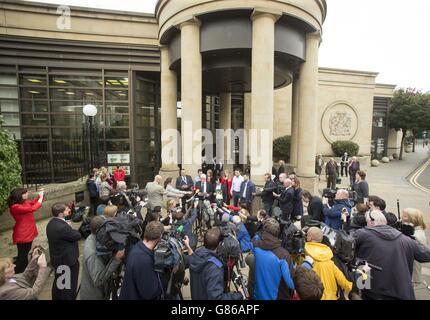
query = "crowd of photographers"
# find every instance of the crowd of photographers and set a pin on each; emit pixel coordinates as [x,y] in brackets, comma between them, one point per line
[347,246]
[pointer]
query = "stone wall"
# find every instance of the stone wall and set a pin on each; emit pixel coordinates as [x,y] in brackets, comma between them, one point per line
[54,193]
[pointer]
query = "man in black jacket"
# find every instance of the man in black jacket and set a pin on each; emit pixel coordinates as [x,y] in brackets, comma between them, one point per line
[266,194]
[207,271]
[184,182]
[64,253]
[394,253]
[286,199]
[94,193]
[141,281]
[315,206]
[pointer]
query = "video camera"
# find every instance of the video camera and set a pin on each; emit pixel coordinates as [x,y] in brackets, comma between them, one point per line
[168,252]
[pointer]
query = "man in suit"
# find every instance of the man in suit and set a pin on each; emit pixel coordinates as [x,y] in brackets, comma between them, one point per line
[184,182]
[354,167]
[344,164]
[205,188]
[64,253]
[247,193]
[286,200]
[155,193]
[315,206]
[266,194]
[331,174]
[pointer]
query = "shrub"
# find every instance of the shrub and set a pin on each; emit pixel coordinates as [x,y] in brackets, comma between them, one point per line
[281,148]
[340,147]
[10,166]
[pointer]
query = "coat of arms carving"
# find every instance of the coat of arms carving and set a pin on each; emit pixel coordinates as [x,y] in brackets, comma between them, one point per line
[340,123]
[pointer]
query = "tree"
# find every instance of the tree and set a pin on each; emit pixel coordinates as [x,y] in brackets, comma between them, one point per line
[409,111]
[10,166]
[281,148]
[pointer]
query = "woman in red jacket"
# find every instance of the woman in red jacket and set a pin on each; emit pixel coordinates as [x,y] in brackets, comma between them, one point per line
[24,231]
[226,180]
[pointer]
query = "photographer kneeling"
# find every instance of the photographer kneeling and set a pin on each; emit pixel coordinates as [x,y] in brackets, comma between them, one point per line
[207,270]
[141,281]
[187,222]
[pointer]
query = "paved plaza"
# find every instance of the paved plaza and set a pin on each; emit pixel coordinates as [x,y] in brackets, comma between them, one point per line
[389,181]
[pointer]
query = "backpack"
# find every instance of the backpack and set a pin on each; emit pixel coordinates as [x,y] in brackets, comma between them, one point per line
[344,246]
[229,249]
[85,229]
[292,239]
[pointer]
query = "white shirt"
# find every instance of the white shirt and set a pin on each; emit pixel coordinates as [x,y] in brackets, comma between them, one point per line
[204,186]
[236,182]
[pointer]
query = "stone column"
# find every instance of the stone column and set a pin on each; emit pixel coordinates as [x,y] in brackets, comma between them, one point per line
[169,136]
[262,94]
[225,124]
[191,95]
[294,123]
[308,114]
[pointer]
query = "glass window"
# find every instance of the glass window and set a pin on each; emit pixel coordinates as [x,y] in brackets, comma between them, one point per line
[35,119]
[71,106]
[14,132]
[117,120]
[11,119]
[117,145]
[75,81]
[8,93]
[116,82]
[32,80]
[66,133]
[8,79]
[34,105]
[117,95]
[36,133]
[9,106]
[118,107]
[68,120]
[33,93]
[117,133]
[87,95]
[379,119]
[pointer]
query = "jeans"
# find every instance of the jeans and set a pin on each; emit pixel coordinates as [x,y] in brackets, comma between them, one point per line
[22,260]
[236,198]
[268,207]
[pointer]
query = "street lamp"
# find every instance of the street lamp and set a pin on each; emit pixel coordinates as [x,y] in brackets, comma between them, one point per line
[90,111]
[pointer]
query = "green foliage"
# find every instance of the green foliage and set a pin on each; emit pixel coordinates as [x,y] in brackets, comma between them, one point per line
[281,148]
[409,111]
[340,147]
[10,166]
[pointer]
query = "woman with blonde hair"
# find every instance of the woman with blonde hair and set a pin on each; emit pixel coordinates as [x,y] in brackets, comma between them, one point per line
[110,211]
[415,218]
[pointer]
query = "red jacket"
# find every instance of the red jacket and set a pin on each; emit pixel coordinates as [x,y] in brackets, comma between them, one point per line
[119,175]
[25,229]
[227,183]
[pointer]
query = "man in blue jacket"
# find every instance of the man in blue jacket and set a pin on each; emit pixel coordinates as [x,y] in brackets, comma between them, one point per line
[242,234]
[247,193]
[207,271]
[141,281]
[333,214]
[273,265]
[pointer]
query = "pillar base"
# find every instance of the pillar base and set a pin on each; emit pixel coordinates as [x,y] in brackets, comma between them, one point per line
[169,172]
[309,183]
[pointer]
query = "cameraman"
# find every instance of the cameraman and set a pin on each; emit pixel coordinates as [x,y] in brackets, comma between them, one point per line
[207,270]
[394,253]
[179,219]
[270,265]
[141,281]
[333,214]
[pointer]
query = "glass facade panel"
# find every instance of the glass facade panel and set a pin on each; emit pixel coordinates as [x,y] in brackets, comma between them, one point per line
[9,106]
[33,93]
[32,80]
[117,95]
[117,145]
[34,105]
[11,119]
[35,119]
[14,132]
[8,93]
[8,79]
[82,94]
[76,81]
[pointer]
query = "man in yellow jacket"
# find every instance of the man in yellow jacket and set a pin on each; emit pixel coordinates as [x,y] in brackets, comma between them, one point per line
[330,275]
